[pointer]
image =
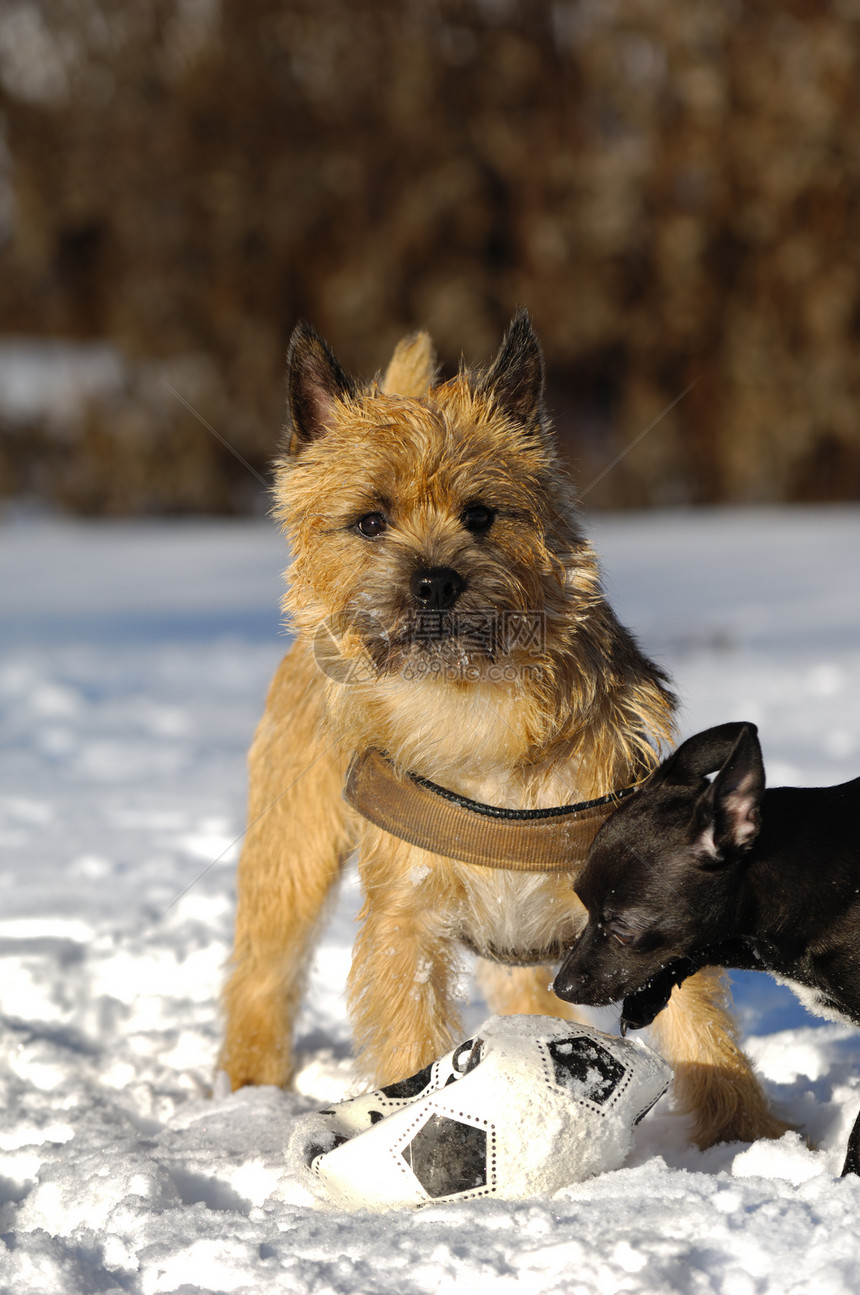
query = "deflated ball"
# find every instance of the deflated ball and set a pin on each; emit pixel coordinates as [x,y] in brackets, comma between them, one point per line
[529,1105]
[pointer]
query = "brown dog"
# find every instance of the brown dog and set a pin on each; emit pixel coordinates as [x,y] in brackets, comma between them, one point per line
[429,524]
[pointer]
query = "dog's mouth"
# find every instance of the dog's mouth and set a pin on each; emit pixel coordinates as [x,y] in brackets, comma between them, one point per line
[425,642]
[421,653]
[411,642]
[476,633]
[639,1009]
[459,643]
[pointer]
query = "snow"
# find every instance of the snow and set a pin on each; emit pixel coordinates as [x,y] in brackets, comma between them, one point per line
[52,379]
[134,660]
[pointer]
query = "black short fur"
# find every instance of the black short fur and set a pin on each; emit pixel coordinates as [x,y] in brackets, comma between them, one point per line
[691,873]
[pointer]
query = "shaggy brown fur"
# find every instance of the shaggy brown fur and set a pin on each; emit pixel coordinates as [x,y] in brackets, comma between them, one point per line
[381,490]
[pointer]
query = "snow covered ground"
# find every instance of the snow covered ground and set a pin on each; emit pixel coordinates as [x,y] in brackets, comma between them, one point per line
[133,665]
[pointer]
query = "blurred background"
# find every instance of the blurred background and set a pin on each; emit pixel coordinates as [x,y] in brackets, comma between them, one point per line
[670,186]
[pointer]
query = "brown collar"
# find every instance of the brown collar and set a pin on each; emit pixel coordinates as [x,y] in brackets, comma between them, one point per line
[443,822]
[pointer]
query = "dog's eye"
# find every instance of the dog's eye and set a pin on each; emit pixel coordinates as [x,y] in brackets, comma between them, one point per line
[371,525]
[477,518]
[620,933]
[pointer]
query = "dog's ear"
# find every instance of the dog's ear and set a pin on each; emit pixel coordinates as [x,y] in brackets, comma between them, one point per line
[700,755]
[412,367]
[516,378]
[727,817]
[315,381]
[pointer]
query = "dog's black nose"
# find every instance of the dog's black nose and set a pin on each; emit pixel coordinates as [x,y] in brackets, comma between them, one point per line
[437,588]
[569,984]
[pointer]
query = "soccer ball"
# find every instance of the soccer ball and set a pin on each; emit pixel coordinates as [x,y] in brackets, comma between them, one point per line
[529,1105]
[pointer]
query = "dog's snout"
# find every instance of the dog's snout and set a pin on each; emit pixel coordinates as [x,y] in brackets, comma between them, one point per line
[571,982]
[437,588]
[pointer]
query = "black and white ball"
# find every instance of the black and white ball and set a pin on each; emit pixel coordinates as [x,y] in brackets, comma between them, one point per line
[528,1106]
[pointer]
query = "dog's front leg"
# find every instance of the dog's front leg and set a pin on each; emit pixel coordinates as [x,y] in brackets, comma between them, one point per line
[404,964]
[714,1080]
[298,834]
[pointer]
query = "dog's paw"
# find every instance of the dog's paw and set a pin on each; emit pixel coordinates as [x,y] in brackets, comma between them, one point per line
[253,1066]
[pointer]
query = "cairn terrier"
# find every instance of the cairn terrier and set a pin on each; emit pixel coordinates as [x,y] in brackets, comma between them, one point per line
[448,613]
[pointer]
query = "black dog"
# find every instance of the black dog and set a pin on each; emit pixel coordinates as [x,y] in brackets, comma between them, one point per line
[690,873]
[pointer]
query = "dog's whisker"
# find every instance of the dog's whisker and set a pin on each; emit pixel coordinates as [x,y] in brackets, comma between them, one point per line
[218,437]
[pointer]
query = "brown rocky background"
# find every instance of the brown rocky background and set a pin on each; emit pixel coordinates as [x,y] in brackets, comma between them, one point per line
[670,186]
